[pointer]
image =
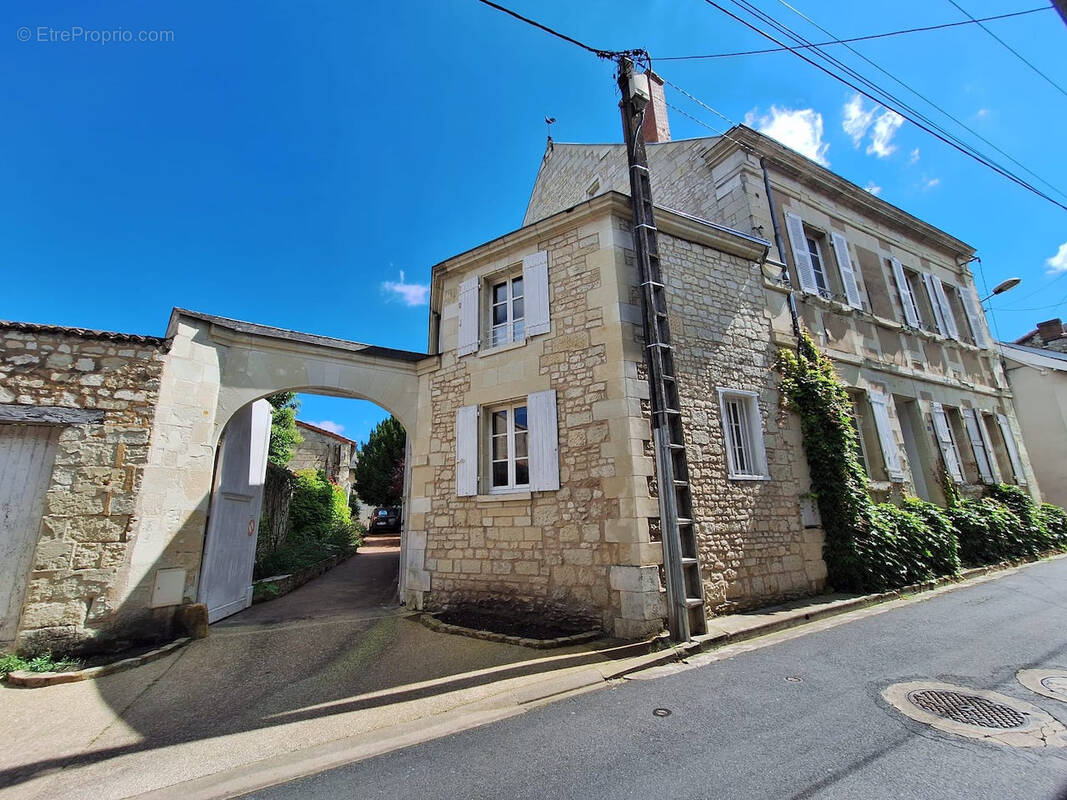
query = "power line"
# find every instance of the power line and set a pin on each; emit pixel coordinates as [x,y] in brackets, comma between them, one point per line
[929,128]
[866,38]
[930,102]
[594,50]
[916,116]
[1015,52]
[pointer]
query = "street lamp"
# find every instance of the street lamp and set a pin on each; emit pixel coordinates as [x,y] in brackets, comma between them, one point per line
[1002,287]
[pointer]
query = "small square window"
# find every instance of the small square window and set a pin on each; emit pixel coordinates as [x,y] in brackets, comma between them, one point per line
[746,457]
[509,452]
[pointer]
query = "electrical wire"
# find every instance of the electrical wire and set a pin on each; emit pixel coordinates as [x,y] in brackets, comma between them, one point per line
[925,126]
[612,54]
[866,38]
[927,100]
[1011,49]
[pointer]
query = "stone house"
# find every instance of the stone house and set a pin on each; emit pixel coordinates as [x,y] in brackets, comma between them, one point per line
[1036,366]
[331,452]
[531,479]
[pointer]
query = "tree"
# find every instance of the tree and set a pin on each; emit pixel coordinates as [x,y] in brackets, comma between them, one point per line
[380,461]
[284,435]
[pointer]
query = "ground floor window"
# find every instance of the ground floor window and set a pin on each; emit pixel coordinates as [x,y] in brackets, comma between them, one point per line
[743,434]
[509,460]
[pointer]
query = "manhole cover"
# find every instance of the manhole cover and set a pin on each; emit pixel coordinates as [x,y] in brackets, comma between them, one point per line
[968,709]
[977,713]
[1048,682]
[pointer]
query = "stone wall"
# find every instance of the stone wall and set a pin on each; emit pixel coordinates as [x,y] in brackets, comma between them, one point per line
[573,173]
[754,548]
[85,534]
[556,552]
[322,450]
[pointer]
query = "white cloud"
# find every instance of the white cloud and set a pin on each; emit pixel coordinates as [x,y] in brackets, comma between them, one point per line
[929,183]
[1058,263]
[982,113]
[873,188]
[914,157]
[885,128]
[857,120]
[329,425]
[799,129]
[412,294]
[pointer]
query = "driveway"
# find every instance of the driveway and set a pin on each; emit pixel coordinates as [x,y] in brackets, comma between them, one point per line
[335,658]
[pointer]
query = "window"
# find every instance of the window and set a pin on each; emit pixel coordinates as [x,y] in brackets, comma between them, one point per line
[504,307]
[813,271]
[815,253]
[743,434]
[509,455]
[509,447]
[870,453]
[507,317]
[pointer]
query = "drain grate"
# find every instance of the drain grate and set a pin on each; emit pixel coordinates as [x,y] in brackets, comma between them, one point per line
[968,709]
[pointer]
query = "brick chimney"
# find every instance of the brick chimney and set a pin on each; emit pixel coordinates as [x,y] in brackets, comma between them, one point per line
[656,127]
[1050,330]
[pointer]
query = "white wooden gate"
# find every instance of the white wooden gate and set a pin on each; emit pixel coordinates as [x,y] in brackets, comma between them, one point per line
[26,456]
[230,549]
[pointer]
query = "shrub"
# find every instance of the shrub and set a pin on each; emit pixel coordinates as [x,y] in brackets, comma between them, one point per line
[1054,521]
[936,544]
[320,526]
[988,531]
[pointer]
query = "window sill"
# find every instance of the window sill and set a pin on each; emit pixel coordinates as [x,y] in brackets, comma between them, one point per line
[502,348]
[749,477]
[500,497]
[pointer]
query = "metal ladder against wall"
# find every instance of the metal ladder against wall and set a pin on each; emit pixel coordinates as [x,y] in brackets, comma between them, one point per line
[685,592]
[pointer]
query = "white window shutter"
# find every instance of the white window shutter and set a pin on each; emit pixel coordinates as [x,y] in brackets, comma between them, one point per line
[944,441]
[1013,451]
[801,257]
[890,452]
[468,316]
[907,300]
[544,441]
[974,316]
[467,451]
[535,287]
[951,329]
[848,272]
[981,455]
[935,303]
[983,430]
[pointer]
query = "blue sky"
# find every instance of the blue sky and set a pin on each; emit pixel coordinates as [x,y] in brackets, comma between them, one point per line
[304,165]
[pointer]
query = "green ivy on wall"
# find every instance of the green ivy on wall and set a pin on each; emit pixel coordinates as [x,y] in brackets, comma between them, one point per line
[872,547]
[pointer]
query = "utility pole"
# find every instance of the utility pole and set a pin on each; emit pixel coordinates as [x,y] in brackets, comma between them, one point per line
[1061,6]
[685,592]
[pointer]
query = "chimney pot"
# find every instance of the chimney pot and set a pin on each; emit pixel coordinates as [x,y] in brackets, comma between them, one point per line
[1050,330]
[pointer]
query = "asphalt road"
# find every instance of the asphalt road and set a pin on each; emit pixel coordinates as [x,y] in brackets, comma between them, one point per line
[745,727]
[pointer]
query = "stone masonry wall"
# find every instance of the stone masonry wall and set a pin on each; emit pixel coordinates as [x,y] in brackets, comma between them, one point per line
[325,452]
[85,531]
[554,551]
[754,548]
[568,172]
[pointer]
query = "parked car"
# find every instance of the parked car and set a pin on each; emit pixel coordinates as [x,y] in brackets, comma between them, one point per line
[385,520]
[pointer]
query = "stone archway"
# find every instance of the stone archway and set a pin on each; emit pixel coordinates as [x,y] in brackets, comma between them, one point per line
[215,368]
